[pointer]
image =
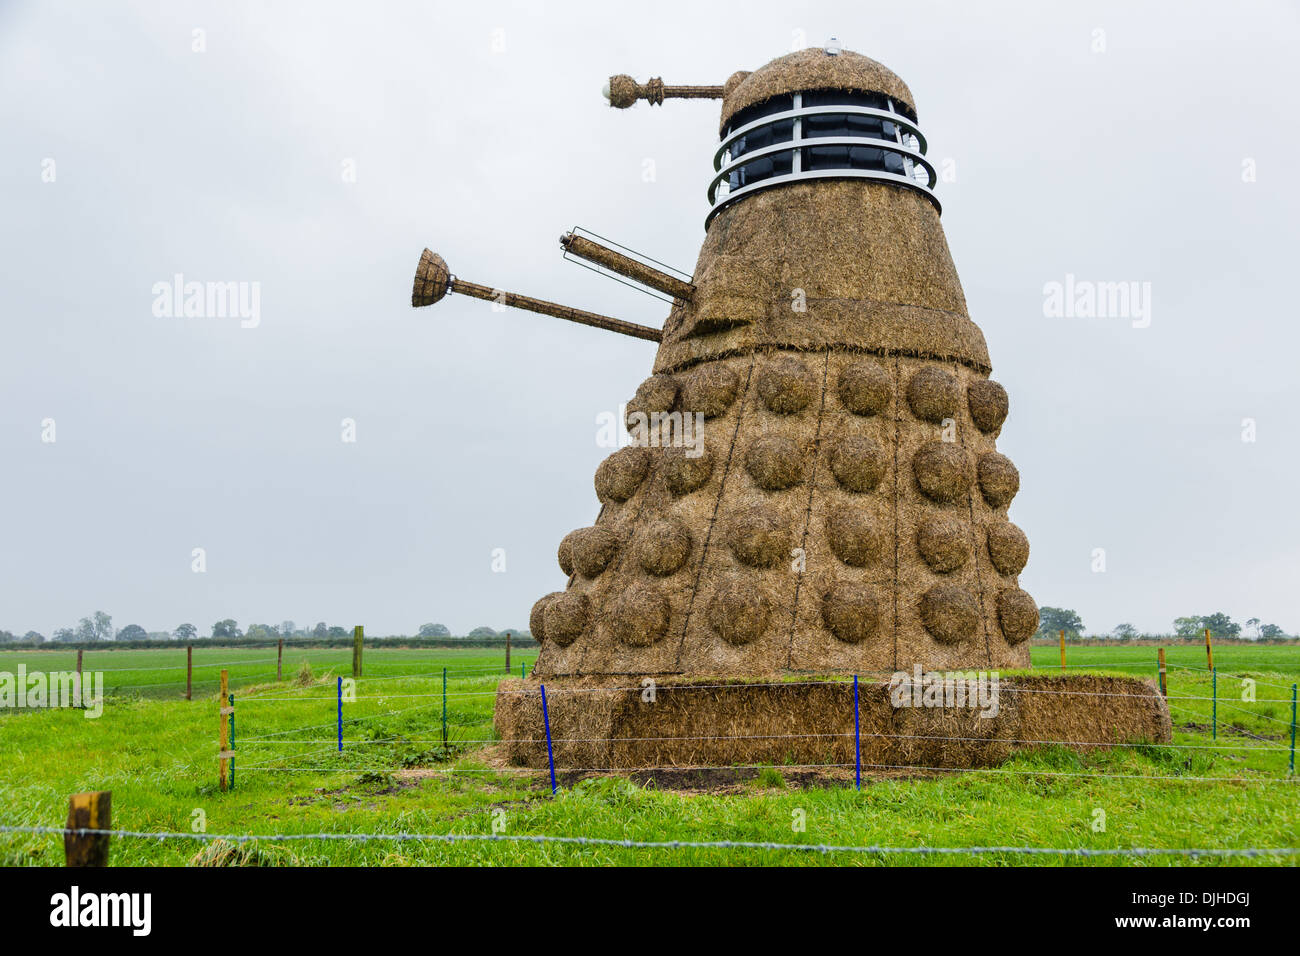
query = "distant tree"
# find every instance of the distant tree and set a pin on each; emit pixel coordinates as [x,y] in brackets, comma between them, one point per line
[186,632]
[35,636]
[86,630]
[6,636]
[1271,632]
[227,630]
[1187,626]
[482,632]
[133,632]
[321,630]
[1125,632]
[103,626]
[1254,623]
[287,628]
[434,630]
[1053,620]
[262,632]
[337,632]
[66,635]
[1220,625]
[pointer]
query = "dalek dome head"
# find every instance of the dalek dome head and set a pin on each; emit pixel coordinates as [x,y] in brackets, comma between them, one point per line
[819,113]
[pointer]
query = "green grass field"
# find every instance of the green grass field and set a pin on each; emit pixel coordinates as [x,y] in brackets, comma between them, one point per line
[156,752]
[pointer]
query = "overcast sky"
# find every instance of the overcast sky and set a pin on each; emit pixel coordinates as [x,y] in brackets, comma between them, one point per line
[316,148]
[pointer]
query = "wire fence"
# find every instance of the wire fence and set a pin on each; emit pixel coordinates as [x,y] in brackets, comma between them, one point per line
[630,844]
[455,721]
[464,724]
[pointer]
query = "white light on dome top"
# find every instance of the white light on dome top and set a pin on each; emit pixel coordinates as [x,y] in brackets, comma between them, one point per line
[833,47]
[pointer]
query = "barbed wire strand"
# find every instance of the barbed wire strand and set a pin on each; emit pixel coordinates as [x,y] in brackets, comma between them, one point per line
[663,844]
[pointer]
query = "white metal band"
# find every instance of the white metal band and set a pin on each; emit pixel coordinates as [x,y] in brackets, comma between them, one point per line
[898,119]
[800,141]
[888,146]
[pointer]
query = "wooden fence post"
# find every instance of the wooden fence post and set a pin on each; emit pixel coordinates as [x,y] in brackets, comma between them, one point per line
[1164,689]
[189,671]
[358,635]
[279,660]
[1062,649]
[88,811]
[507,652]
[224,736]
[1209,651]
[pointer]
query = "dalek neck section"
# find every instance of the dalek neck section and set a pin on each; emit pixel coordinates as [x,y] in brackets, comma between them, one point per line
[819,134]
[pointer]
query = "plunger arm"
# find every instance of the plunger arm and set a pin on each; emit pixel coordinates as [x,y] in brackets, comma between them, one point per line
[433,280]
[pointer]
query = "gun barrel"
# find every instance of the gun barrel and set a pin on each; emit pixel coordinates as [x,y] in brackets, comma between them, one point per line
[622,91]
[585,248]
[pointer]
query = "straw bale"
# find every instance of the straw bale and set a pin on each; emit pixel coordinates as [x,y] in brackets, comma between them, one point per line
[758,537]
[934,394]
[786,386]
[658,393]
[858,463]
[662,546]
[944,542]
[619,475]
[999,480]
[640,616]
[537,617]
[865,388]
[856,536]
[565,617]
[988,405]
[593,549]
[774,462]
[565,552]
[716,722]
[1018,614]
[852,612]
[950,613]
[739,611]
[709,389]
[1008,548]
[684,474]
[942,471]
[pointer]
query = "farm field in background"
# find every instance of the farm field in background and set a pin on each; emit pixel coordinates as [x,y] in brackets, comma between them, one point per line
[1222,784]
[160,672]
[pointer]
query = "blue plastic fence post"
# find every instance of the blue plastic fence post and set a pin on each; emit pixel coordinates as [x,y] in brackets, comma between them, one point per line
[1293,730]
[444,707]
[550,754]
[340,687]
[857,737]
[523,669]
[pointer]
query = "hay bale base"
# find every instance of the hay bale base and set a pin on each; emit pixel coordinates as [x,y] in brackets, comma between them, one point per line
[721,723]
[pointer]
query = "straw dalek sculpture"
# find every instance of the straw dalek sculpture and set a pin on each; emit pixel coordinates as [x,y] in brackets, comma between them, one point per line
[847,512]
